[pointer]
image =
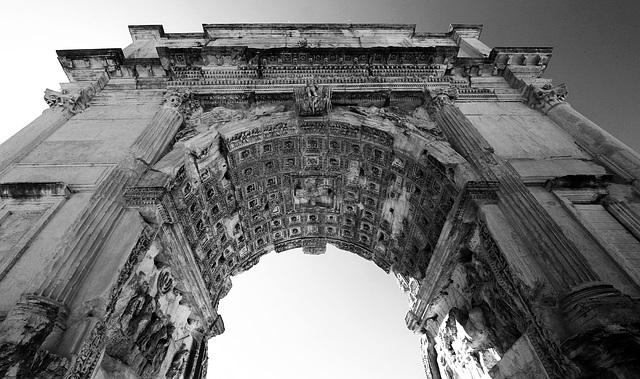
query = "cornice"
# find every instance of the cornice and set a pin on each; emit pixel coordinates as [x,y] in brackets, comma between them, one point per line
[339,50]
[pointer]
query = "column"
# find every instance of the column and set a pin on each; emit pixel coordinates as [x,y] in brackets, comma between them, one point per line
[94,227]
[562,263]
[550,100]
[78,251]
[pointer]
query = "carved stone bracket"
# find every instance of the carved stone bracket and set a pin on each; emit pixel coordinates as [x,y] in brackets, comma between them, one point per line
[546,97]
[313,100]
[217,327]
[476,191]
[157,197]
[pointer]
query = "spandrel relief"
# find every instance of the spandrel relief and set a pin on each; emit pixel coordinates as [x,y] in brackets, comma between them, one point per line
[153,323]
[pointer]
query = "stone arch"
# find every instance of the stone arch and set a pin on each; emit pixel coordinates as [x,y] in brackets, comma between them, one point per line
[264,178]
[242,181]
[297,146]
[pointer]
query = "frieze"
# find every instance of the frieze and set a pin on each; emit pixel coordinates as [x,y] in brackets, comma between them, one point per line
[546,348]
[90,353]
[139,249]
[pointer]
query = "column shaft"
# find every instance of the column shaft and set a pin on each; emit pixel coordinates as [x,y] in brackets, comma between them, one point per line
[595,139]
[565,267]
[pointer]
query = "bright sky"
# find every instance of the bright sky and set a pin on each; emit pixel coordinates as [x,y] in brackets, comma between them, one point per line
[334,316]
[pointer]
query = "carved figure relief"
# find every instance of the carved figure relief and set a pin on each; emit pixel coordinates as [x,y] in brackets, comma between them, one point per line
[313,100]
[143,335]
[178,363]
[313,191]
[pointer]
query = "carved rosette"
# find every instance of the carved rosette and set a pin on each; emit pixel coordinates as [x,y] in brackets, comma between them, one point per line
[438,98]
[547,96]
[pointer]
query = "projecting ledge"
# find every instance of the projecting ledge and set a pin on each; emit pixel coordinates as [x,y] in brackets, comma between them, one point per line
[36,190]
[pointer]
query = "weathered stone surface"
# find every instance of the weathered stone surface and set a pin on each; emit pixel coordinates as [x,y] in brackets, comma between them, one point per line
[165,168]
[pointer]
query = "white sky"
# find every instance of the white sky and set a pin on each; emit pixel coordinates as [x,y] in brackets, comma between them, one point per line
[333,316]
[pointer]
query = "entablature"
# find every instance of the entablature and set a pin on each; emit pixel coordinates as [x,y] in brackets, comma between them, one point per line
[360,52]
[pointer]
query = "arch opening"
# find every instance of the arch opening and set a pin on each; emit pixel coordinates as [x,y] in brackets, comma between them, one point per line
[296,316]
[247,180]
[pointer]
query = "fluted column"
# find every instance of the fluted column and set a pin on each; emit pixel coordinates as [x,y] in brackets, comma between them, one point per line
[62,106]
[84,241]
[38,320]
[562,263]
[610,152]
[595,139]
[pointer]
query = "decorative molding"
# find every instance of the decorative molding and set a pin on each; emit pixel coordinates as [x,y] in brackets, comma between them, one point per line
[547,349]
[34,203]
[625,215]
[91,352]
[141,246]
[618,171]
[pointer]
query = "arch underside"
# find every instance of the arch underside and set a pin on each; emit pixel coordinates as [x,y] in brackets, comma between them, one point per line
[251,180]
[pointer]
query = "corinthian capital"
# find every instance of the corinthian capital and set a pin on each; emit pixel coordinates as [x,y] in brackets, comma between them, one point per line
[439,97]
[72,102]
[547,96]
[182,100]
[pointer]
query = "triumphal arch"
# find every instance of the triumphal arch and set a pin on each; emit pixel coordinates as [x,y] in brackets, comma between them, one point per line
[163,169]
